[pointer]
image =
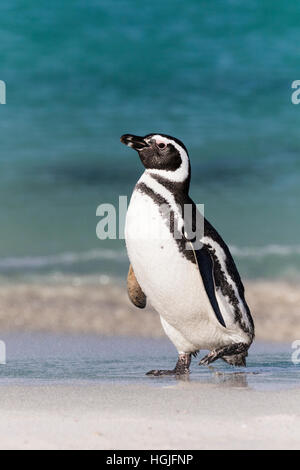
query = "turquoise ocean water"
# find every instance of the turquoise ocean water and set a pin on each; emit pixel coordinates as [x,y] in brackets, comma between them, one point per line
[80,73]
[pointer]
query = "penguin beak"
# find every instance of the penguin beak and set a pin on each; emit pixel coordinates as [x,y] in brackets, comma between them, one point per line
[134,141]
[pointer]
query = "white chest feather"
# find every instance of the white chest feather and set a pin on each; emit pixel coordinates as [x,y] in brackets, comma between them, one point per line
[171,283]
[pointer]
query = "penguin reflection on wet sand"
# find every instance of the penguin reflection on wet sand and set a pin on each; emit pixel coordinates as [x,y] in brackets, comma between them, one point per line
[193,284]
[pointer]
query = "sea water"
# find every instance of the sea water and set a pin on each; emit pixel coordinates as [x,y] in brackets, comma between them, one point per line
[80,73]
[39,359]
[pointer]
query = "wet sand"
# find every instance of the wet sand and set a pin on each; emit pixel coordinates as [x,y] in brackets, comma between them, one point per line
[106,310]
[182,416]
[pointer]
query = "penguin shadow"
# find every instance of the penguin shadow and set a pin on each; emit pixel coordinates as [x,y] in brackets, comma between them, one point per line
[229,379]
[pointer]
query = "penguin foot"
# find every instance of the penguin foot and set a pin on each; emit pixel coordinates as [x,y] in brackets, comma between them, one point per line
[234,354]
[160,373]
[182,367]
[208,359]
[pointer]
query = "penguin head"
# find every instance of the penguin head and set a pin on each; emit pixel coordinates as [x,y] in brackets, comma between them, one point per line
[161,154]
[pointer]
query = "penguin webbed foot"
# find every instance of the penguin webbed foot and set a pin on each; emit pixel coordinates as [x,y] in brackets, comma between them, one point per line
[209,358]
[182,368]
[234,354]
[161,373]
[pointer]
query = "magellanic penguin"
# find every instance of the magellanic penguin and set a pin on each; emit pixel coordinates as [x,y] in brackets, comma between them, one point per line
[191,281]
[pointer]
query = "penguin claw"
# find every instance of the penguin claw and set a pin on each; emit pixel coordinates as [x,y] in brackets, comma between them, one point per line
[180,370]
[208,359]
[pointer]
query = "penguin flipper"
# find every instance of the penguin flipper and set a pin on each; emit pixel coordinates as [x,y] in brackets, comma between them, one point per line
[134,290]
[206,268]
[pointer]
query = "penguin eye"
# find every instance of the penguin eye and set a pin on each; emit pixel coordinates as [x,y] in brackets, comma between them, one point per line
[161,145]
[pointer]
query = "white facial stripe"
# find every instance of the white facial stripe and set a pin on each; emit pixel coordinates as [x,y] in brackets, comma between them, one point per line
[160,140]
[182,173]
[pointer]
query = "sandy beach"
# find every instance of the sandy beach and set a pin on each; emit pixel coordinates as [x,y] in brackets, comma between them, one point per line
[105,309]
[201,414]
[182,416]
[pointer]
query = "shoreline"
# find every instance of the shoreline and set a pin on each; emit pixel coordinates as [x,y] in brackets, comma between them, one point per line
[106,310]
